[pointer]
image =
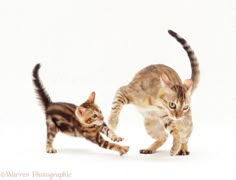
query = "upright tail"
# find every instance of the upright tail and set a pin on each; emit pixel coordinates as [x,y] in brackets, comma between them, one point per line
[39,89]
[193,60]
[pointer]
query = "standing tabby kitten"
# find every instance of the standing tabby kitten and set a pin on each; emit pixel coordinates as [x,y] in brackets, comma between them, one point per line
[164,101]
[85,120]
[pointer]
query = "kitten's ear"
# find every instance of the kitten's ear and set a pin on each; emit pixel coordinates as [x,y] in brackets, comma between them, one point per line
[79,111]
[91,98]
[165,82]
[188,84]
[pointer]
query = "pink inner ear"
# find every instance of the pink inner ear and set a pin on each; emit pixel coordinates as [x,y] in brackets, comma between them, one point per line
[188,83]
[165,80]
[80,111]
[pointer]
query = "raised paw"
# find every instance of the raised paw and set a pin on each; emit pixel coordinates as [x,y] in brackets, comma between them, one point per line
[51,150]
[117,139]
[146,151]
[183,153]
[124,150]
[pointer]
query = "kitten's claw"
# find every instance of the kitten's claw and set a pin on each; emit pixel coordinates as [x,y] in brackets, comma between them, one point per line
[117,139]
[183,153]
[124,150]
[51,150]
[145,151]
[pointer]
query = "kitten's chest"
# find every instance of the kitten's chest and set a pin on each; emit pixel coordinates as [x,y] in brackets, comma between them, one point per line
[153,113]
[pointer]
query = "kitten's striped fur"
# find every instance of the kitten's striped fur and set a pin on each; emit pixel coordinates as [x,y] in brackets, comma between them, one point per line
[164,101]
[85,120]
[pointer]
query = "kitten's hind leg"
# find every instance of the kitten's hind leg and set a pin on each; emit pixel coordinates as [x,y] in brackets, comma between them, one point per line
[158,143]
[51,133]
[156,130]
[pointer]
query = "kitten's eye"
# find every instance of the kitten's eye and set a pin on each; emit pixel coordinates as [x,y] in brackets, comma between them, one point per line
[172,105]
[95,115]
[186,108]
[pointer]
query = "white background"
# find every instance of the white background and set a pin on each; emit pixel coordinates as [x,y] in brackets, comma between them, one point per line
[86,46]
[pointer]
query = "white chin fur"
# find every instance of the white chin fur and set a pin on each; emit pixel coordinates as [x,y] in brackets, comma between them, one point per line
[98,123]
[176,119]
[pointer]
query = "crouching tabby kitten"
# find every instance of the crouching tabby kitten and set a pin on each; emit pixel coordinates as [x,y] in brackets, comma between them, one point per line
[85,120]
[164,101]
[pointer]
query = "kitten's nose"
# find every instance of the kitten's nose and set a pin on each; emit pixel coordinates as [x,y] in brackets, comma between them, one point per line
[179,115]
[101,117]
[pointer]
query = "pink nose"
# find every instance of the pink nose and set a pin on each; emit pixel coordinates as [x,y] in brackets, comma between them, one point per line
[102,118]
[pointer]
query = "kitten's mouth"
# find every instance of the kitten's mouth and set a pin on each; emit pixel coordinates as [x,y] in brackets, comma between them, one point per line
[176,118]
[99,123]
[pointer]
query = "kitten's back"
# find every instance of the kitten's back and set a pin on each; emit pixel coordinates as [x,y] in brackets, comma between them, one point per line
[153,72]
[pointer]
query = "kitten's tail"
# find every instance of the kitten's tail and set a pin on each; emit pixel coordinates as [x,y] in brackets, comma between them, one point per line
[39,89]
[193,60]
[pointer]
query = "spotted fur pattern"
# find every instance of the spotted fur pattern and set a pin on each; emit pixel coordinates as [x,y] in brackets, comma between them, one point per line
[164,101]
[85,120]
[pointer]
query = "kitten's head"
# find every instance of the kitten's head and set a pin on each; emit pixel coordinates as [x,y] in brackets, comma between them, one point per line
[89,113]
[175,99]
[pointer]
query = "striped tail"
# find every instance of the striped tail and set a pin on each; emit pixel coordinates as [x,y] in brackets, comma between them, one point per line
[193,60]
[39,89]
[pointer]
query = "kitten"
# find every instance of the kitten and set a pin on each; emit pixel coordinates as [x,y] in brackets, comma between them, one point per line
[164,101]
[85,120]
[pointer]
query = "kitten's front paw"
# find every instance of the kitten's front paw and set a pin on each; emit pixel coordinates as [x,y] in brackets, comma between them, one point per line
[174,150]
[146,151]
[173,153]
[51,150]
[117,139]
[183,153]
[124,150]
